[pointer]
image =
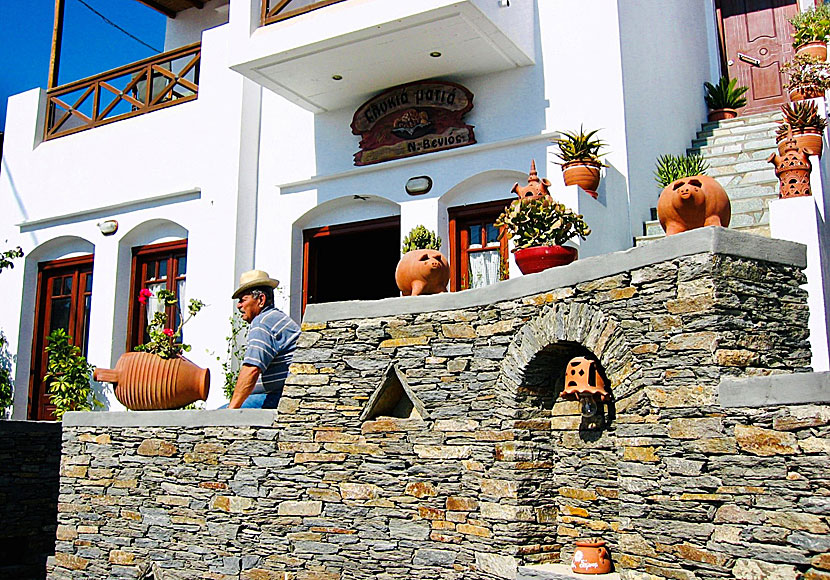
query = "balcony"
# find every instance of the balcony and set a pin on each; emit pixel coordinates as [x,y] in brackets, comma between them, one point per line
[172,77]
[333,54]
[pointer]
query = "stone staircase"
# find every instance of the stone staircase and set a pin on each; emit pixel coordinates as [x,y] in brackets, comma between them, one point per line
[737,151]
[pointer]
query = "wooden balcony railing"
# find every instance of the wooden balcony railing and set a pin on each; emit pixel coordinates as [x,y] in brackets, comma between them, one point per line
[276,10]
[173,78]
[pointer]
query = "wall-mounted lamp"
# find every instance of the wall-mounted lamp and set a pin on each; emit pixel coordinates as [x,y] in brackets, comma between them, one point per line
[108,227]
[584,382]
[418,185]
[504,3]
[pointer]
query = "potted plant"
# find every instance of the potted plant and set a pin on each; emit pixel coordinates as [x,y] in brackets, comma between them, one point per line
[724,98]
[580,153]
[690,199]
[156,375]
[807,126]
[422,269]
[807,77]
[67,376]
[811,30]
[538,227]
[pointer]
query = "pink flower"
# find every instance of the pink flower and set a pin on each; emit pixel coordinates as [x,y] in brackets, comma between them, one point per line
[144,295]
[169,332]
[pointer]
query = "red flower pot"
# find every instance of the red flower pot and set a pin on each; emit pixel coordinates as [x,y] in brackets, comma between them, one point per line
[145,381]
[538,258]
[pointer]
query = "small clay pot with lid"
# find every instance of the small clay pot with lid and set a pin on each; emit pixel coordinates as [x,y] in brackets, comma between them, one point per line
[591,557]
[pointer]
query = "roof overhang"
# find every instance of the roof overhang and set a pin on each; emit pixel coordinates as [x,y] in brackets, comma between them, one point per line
[374,44]
[172,7]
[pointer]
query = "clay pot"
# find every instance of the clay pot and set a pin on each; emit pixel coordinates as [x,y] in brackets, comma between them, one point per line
[722,114]
[422,272]
[584,173]
[591,558]
[807,138]
[538,258]
[693,202]
[816,49]
[803,93]
[793,168]
[145,381]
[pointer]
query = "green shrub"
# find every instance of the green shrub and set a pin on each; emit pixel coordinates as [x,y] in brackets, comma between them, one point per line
[725,94]
[540,222]
[67,376]
[420,238]
[811,25]
[673,167]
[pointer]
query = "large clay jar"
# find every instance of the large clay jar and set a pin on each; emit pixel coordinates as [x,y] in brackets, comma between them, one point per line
[584,173]
[591,557]
[693,202]
[538,258]
[145,381]
[422,272]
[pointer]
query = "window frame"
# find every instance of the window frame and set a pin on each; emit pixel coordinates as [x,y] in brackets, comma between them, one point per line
[141,257]
[460,218]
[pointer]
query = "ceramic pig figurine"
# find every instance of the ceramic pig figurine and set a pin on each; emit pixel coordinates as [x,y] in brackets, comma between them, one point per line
[422,272]
[693,202]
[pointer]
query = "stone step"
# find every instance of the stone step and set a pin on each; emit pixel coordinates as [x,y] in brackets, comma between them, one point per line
[743,130]
[759,118]
[752,138]
[762,143]
[558,572]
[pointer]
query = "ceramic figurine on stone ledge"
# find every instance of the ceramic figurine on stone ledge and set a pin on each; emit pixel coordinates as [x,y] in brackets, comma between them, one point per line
[693,202]
[793,168]
[535,187]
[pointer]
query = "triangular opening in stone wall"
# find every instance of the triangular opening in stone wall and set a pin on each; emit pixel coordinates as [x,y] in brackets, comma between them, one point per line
[393,398]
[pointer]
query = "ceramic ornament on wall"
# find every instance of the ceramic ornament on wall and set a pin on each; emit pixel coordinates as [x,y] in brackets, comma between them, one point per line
[412,120]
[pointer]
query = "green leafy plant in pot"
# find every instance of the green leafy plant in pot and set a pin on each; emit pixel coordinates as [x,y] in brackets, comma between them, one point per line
[807,125]
[690,199]
[580,153]
[807,77]
[537,228]
[724,98]
[67,376]
[423,269]
[811,30]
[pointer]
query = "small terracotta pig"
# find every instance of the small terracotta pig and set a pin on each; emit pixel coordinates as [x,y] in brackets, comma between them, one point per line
[422,272]
[693,202]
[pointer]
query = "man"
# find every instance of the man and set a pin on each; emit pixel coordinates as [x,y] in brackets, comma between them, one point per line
[272,339]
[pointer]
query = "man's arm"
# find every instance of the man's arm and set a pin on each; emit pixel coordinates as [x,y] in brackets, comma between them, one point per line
[246,382]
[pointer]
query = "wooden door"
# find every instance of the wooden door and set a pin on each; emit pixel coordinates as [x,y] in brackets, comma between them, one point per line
[756,40]
[64,294]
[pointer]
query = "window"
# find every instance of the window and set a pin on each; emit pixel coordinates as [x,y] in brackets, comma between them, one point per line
[477,257]
[156,267]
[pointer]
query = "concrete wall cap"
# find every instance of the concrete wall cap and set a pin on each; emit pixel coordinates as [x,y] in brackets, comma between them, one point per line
[792,389]
[214,418]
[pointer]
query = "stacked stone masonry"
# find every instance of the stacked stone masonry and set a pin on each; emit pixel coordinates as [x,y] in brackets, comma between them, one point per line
[493,470]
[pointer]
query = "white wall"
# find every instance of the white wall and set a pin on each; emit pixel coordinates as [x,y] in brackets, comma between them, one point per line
[188,25]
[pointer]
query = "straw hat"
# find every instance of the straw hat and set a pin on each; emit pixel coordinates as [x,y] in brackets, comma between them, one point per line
[254,279]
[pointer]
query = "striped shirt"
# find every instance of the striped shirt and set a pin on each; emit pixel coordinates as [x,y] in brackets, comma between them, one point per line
[272,339]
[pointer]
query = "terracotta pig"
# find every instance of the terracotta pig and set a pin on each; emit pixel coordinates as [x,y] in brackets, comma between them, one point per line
[422,272]
[693,202]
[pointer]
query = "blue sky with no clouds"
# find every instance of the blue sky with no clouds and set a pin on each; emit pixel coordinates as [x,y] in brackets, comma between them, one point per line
[90,44]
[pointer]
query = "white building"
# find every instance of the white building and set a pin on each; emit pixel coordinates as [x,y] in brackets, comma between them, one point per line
[247,159]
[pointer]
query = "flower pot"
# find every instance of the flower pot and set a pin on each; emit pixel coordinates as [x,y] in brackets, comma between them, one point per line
[793,168]
[806,92]
[422,272]
[808,138]
[816,49]
[538,258]
[591,558]
[145,381]
[693,202]
[584,173]
[722,114]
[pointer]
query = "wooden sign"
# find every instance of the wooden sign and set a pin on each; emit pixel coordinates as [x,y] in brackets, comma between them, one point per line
[411,120]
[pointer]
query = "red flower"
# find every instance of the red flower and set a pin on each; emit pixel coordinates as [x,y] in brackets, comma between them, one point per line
[144,295]
[169,332]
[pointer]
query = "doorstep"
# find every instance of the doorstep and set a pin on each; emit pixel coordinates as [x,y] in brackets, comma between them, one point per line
[559,572]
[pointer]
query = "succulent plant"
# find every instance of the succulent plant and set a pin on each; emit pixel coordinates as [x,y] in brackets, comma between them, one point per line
[725,94]
[800,115]
[420,238]
[579,146]
[540,222]
[673,167]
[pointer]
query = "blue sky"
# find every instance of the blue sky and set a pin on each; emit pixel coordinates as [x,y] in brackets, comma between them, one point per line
[90,45]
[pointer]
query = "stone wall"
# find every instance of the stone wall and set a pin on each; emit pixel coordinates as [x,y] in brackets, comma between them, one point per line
[29,461]
[424,437]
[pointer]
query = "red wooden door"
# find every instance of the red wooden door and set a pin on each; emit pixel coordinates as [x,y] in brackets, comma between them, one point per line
[64,294]
[757,42]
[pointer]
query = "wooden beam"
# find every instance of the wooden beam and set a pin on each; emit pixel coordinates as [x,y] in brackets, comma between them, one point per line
[160,7]
[57,37]
[196,3]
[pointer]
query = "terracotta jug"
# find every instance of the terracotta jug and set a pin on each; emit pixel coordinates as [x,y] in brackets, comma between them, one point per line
[145,381]
[422,272]
[536,188]
[591,557]
[693,202]
[793,168]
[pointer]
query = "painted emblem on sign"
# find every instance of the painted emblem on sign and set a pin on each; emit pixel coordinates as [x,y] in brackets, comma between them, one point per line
[411,120]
